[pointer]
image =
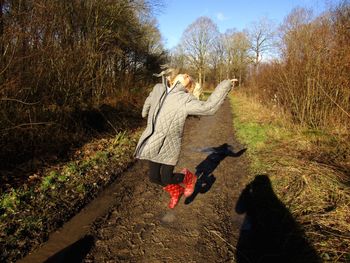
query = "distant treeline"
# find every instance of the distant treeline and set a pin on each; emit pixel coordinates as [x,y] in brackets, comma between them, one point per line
[311,80]
[60,57]
[302,65]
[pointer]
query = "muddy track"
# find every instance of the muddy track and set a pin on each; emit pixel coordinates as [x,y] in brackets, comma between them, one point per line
[139,227]
[142,229]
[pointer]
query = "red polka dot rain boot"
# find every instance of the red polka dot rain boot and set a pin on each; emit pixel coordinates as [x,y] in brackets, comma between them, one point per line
[175,191]
[189,181]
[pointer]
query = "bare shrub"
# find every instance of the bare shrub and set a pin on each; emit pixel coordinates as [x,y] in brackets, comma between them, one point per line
[311,81]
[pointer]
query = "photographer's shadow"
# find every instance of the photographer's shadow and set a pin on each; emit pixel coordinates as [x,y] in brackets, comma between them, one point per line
[205,169]
[75,252]
[269,232]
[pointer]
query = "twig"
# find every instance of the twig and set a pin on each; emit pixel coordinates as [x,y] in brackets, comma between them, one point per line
[28,124]
[348,114]
[19,101]
[116,131]
[10,61]
[218,235]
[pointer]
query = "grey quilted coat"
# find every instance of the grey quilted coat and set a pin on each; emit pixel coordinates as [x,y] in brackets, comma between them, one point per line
[167,112]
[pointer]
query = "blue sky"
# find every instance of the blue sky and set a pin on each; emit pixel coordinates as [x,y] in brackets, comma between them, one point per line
[178,14]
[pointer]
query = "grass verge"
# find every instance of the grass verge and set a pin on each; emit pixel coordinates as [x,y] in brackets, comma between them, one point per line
[309,171]
[30,212]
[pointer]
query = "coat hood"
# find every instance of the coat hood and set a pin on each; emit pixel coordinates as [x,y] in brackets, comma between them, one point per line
[178,87]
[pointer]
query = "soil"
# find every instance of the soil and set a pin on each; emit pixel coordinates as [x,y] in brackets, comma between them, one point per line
[130,221]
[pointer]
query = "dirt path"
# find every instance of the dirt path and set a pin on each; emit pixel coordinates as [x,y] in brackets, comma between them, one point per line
[130,222]
[142,229]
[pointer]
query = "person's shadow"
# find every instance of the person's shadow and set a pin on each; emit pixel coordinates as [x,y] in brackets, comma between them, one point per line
[204,170]
[75,252]
[269,232]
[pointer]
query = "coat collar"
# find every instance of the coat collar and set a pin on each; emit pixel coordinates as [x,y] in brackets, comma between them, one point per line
[178,87]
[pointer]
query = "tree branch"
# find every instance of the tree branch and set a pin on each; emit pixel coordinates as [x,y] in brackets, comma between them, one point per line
[19,101]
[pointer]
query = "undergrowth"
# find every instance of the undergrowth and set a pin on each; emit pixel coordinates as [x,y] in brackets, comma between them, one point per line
[30,212]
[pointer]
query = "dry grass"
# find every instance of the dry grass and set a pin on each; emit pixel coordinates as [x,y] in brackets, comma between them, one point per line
[315,189]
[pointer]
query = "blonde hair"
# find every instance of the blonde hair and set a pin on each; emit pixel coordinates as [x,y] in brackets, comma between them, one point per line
[175,77]
[191,86]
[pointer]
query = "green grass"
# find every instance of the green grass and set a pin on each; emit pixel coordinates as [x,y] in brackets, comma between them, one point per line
[81,188]
[62,178]
[70,169]
[10,201]
[101,157]
[254,134]
[254,129]
[48,181]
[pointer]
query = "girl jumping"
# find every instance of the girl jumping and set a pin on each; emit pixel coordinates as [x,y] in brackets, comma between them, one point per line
[167,108]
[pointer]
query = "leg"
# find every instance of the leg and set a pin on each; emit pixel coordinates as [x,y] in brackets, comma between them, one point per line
[154,173]
[168,177]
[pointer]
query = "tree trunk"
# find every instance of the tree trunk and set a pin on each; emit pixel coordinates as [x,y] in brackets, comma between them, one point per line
[2,58]
[240,77]
[1,28]
[204,77]
[256,61]
[200,77]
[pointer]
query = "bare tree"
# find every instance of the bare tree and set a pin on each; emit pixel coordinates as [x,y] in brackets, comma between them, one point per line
[217,59]
[178,57]
[198,42]
[261,35]
[236,46]
[60,56]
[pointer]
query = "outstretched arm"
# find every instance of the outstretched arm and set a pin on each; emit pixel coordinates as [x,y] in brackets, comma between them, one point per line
[209,107]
